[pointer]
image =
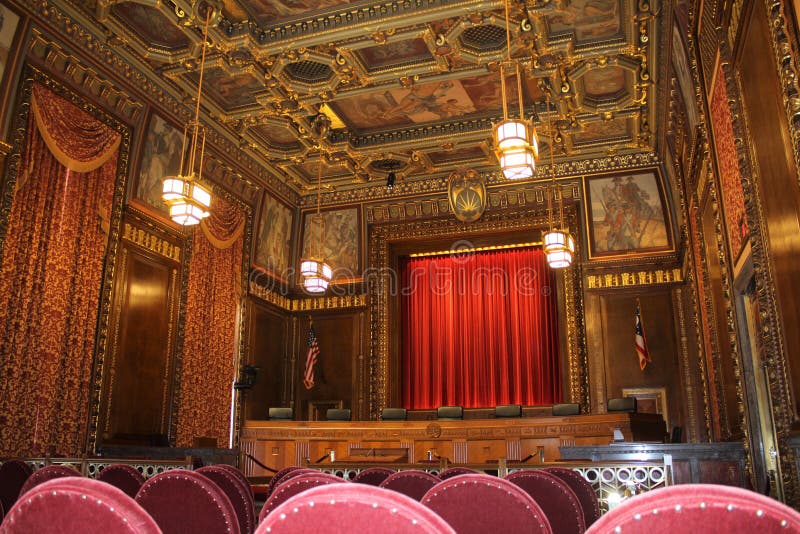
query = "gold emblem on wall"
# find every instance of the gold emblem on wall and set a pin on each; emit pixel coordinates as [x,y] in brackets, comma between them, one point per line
[466,192]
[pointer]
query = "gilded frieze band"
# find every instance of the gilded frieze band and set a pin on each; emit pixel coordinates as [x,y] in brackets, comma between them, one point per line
[634,278]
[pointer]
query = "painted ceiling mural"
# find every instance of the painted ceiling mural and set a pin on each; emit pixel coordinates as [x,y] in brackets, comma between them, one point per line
[405,87]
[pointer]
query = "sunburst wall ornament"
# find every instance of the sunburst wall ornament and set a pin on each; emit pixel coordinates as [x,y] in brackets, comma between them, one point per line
[466,192]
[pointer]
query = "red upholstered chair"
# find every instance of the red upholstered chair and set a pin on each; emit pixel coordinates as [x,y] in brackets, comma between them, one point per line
[413,483]
[584,491]
[241,498]
[293,486]
[276,478]
[125,477]
[48,472]
[699,508]
[556,499]
[352,509]
[183,501]
[451,472]
[13,474]
[482,503]
[77,505]
[373,475]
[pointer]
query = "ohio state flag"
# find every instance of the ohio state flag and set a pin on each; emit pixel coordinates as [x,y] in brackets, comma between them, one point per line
[641,341]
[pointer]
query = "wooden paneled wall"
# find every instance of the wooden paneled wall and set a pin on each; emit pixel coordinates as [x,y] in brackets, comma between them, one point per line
[776,176]
[278,345]
[136,406]
[610,323]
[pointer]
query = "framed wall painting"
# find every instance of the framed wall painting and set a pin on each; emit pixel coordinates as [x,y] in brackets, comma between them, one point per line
[627,214]
[8,28]
[339,241]
[160,157]
[273,240]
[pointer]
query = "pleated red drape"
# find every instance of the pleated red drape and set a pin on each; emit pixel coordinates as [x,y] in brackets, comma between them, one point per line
[51,275]
[212,307]
[479,330]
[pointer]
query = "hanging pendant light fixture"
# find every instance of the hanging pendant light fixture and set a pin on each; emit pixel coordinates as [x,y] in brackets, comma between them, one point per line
[188,199]
[514,139]
[558,244]
[315,272]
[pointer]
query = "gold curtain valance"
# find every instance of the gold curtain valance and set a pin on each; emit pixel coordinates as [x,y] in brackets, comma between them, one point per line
[78,141]
[225,224]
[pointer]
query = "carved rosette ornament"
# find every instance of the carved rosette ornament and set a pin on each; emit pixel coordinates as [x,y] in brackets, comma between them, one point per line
[466,192]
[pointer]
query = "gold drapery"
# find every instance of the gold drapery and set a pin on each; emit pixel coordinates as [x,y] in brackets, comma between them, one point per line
[50,279]
[210,339]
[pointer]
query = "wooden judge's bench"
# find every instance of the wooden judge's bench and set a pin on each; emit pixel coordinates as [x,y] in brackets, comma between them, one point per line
[279,444]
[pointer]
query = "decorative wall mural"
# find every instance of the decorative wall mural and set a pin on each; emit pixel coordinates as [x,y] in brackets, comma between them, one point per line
[151,25]
[589,19]
[266,11]
[161,156]
[273,241]
[394,53]
[8,27]
[466,192]
[626,214]
[601,130]
[229,91]
[606,82]
[341,243]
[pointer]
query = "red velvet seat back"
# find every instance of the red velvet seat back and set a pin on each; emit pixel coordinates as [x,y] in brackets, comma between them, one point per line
[276,478]
[125,477]
[48,472]
[77,504]
[353,509]
[373,475]
[558,502]
[413,483]
[183,501]
[241,498]
[584,491]
[482,503]
[293,486]
[699,508]
[13,474]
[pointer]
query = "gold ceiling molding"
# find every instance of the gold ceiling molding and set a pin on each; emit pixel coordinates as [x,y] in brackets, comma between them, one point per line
[58,61]
[67,27]
[634,278]
[301,304]
[151,242]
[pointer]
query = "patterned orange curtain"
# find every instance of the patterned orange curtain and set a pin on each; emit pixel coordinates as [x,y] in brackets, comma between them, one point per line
[50,278]
[210,333]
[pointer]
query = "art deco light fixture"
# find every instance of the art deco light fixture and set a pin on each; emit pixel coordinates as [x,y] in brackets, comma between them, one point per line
[514,139]
[315,272]
[188,199]
[558,244]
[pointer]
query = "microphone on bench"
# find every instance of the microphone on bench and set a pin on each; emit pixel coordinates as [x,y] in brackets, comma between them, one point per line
[531,455]
[326,455]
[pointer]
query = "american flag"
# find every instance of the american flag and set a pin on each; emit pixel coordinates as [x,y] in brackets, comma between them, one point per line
[311,358]
[641,341]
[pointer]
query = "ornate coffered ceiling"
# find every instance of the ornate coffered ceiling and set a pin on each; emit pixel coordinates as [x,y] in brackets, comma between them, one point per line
[410,86]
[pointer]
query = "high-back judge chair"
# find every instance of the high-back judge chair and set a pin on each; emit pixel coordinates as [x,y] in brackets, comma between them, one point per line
[450,413]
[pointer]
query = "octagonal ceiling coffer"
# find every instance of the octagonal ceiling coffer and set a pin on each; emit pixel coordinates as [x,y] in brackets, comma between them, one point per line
[485,38]
[308,71]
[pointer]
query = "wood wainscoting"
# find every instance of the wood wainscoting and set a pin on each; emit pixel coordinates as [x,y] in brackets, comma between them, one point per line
[279,444]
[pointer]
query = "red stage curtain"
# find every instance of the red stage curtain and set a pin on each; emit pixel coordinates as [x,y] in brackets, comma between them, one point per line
[50,278]
[212,310]
[479,330]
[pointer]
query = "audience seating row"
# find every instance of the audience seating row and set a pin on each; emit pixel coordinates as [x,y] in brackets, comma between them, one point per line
[455,413]
[217,499]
